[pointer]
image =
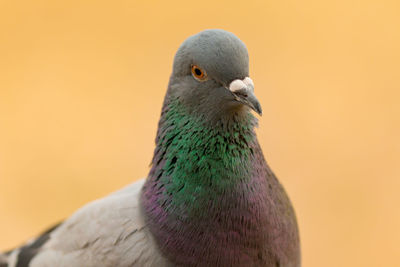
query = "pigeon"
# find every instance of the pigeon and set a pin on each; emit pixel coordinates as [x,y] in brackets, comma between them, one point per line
[210,199]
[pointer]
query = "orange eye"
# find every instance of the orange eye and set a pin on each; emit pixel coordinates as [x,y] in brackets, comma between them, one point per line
[198,73]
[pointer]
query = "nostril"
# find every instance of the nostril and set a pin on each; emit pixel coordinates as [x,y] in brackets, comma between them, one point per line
[242,92]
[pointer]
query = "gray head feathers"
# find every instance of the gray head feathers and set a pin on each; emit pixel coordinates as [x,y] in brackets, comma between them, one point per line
[220,53]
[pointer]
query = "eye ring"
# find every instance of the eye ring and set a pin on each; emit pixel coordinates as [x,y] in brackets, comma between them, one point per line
[198,73]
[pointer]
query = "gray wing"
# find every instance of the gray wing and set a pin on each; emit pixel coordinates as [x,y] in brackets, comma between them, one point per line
[106,232]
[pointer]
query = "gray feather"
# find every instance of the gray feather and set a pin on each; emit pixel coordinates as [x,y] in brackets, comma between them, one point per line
[108,232]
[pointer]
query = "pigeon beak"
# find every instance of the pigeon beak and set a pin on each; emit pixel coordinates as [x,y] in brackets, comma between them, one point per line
[243,91]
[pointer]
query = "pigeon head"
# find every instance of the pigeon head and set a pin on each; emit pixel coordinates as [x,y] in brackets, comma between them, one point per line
[211,75]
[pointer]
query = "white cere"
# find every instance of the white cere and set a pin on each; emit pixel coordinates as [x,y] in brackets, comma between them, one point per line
[237,84]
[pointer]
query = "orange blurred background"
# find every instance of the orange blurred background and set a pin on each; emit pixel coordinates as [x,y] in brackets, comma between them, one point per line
[81,87]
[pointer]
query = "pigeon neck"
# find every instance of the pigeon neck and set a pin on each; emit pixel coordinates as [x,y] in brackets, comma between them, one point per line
[202,179]
[190,153]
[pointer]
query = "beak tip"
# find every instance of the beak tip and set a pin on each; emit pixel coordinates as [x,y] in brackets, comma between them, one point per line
[255,105]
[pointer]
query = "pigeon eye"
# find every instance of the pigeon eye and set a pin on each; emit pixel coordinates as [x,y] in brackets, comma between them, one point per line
[198,73]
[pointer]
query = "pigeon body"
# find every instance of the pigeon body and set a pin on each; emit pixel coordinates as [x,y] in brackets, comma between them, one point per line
[210,199]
